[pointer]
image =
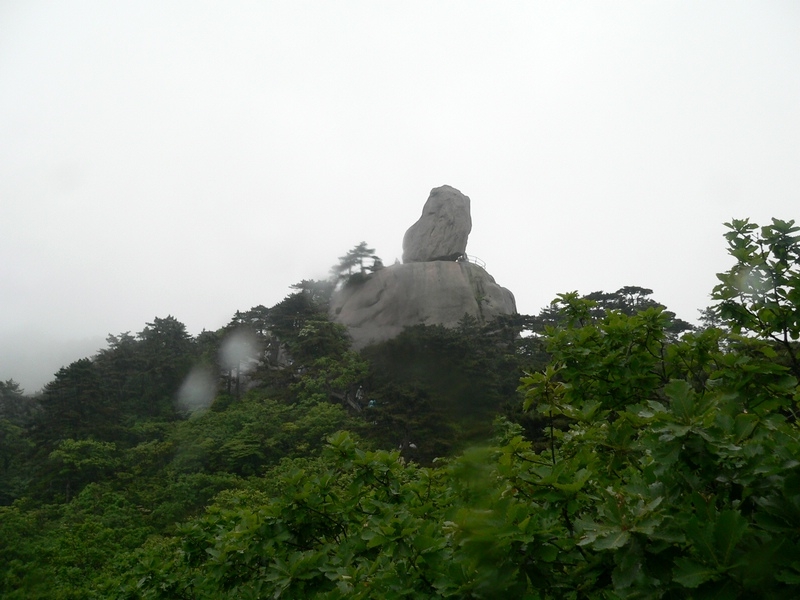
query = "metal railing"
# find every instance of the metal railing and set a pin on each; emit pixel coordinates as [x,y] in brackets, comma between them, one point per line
[473,259]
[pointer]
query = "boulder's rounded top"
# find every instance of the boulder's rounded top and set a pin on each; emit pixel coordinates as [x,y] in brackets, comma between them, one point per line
[444,189]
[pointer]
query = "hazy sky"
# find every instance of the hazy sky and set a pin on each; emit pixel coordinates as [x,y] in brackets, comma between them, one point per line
[193,158]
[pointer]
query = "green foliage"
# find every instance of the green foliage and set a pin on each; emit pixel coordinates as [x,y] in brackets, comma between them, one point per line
[615,361]
[74,407]
[683,455]
[14,405]
[663,464]
[15,448]
[628,300]
[16,412]
[437,388]
[359,528]
[253,434]
[333,378]
[761,293]
[352,268]
[669,470]
[139,376]
[80,462]
[319,292]
[303,327]
[167,352]
[67,552]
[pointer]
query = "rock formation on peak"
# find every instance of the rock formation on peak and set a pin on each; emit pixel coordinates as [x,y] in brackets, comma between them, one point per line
[436,285]
[441,232]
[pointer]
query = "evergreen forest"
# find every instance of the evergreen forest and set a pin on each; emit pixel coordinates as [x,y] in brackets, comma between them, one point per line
[603,448]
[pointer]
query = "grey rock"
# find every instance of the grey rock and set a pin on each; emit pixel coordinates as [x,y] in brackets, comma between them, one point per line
[441,232]
[430,293]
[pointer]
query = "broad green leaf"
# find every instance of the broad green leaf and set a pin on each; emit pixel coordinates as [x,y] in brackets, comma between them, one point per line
[629,567]
[682,399]
[700,534]
[581,477]
[728,531]
[615,539]
[744,425]
[691,574]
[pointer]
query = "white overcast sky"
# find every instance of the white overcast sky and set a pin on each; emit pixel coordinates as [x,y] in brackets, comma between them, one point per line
[194,158]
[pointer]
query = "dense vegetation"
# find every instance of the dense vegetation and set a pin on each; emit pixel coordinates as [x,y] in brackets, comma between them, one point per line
[610,451]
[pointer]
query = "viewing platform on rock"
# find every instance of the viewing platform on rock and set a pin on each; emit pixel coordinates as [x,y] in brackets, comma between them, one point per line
[473,259]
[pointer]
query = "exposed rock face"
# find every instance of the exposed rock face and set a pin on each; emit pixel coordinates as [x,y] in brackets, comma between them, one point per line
[432,287]
[430,293]
[441,232]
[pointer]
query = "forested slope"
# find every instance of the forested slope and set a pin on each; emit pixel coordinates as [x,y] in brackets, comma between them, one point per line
[601,449]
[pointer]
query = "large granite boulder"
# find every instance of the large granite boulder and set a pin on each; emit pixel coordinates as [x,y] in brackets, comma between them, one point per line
[430,293]
[441,232]
[436,285]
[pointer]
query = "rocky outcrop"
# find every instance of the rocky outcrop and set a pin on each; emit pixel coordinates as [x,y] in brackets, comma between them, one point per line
[441,232]
[436,285]
[430,293]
